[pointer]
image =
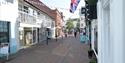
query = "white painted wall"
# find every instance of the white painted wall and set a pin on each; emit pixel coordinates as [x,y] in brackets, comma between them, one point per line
[117,25]
[9,11]
[93,26]
[124,26]
[82,21]
[111,31]
[99,15]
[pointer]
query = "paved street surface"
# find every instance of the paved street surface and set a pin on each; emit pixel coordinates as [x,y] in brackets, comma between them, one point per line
[66,50]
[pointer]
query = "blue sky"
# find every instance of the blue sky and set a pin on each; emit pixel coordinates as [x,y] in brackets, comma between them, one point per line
[63,6]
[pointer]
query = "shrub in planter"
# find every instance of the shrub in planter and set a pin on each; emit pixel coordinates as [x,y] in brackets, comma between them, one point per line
[94,60]
[90,53]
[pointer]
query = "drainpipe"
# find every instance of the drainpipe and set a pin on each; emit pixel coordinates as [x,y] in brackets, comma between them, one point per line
[90,34]
[36,36]
[32,35]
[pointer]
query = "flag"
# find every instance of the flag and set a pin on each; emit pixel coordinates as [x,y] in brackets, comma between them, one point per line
[73,5]
[78,1]
[72,8]
[74,1]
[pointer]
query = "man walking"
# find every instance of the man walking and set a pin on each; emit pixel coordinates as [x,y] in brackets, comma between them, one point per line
[47,35]
[75,34]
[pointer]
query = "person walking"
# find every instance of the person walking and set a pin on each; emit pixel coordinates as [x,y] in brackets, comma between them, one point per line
[66,33]
[75,34]
[83,37]
[47,35]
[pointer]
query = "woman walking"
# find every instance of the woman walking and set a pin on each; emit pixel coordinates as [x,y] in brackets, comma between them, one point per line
[83,37]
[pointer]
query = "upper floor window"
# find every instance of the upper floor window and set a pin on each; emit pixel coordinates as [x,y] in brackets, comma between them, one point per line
[34,13]
[5,2]
[20,7]
[52,25]
[38,13]
[25,9]
[10,1]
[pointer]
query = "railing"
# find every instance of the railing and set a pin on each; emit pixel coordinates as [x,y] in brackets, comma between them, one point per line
[25,16]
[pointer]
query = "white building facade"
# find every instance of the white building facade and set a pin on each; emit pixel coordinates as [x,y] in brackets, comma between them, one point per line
[22,25]
[111,31]
[94,36]
[82,19]
[33,23]
[8,24]
[28,17]
[82,22]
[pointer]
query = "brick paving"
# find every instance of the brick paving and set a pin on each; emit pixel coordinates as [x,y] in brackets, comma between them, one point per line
[66,50]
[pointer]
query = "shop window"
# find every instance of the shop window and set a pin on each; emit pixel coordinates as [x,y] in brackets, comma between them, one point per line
[4,32]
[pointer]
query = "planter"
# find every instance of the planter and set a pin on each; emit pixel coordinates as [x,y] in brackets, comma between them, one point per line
[94,60]
[90,53]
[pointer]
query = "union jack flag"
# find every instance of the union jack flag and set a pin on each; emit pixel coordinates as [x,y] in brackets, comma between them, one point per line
[73,5]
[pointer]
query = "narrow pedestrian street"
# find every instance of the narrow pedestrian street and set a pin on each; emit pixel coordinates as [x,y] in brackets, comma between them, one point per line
[66,50]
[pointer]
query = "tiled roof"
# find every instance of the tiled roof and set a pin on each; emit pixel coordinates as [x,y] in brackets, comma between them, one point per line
[42,7]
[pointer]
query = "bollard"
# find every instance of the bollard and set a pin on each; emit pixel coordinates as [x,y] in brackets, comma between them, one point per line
[47,41]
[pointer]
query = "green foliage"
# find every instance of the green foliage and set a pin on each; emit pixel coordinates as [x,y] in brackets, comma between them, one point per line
[93,58]
[92,2]
[78,26]
[93,61]
[69,24]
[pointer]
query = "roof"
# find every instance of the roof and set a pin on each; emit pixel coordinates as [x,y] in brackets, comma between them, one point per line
[42,7]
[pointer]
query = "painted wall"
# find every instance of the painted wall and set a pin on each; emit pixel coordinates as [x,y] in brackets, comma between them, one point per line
[117,26]
[82,21]
[99,15]
[111,31]
[93,36]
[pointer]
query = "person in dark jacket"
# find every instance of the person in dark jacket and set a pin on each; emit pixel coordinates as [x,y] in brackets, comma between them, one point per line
[75,34]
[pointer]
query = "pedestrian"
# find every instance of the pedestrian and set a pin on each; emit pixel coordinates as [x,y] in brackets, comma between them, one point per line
[47,35]
[75,34]
[66,33]
[83,37]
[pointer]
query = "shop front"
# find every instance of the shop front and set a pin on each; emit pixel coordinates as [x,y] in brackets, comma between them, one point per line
[28,36]
[4,38]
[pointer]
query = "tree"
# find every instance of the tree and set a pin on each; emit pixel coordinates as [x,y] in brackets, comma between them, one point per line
[78,25]
[69,24]
[92,2]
